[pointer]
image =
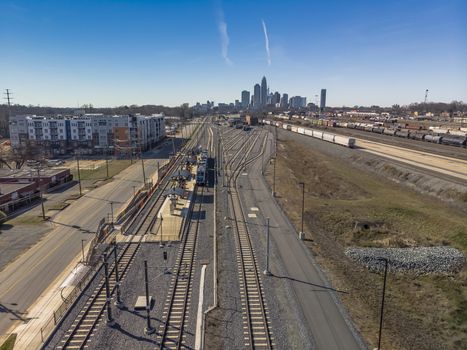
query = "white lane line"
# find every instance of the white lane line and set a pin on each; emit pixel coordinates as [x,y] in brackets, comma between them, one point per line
[199,316]
[252,215]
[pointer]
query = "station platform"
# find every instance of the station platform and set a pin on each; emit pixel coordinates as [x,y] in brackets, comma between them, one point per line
[169,228]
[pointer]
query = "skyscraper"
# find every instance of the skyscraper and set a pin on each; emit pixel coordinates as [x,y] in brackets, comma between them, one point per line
[245,98]
[257,96]
[277,98]
[264,92]
[322,103]
[285,101]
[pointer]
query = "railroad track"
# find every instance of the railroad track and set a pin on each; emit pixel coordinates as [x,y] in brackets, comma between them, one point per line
[177,304]
[81,330]
[256,326]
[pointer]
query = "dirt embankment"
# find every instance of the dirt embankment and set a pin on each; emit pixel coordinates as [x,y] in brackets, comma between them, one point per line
[348,205]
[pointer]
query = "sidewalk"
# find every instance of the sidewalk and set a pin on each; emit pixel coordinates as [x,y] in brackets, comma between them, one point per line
[31,335]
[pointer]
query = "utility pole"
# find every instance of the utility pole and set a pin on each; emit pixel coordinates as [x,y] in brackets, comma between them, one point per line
[142,161]
[149,329]
[303,208]
[79,174]
[8,98]
[118,302]
[112,212]
[274,178]
[386,262]
[82,249]
[266,271]
[161,244]
[107,163]
[40,192]
[110,320]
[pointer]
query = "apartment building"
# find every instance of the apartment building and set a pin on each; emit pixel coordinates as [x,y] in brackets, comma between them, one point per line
[89,133]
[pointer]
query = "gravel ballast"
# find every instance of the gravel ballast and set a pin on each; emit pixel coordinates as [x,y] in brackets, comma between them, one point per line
[420,260]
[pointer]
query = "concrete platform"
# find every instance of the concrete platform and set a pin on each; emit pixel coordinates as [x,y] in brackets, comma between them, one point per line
[169,228]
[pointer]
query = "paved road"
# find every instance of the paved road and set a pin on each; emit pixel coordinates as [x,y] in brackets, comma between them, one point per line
[24,280]
[324,318]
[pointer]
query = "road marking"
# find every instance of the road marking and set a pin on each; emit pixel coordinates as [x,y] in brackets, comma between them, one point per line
[254,209]
[252,215]
[199,316]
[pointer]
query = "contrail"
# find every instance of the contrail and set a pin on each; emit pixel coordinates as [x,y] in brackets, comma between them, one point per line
[266,39]
[222,26]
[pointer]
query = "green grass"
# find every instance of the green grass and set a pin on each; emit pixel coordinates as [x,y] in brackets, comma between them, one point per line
[115,167]
[9,343]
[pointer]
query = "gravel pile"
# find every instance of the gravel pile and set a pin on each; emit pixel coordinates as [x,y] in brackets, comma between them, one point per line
[421,260]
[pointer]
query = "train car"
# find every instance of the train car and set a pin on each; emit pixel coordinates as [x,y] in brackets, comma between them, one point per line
[328,137]
[201,175]
[351,125]
[402,133]
[301,130]
[294,128]
[317,134]
[390,132]
[433,138]
[457,133]
[417,136]
[309,132]
[453,141]
[377,130]
[368,128]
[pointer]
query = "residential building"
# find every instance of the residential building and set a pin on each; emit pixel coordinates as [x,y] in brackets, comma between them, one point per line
[88,133]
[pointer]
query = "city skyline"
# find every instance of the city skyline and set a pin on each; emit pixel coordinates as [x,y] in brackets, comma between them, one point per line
[113,54]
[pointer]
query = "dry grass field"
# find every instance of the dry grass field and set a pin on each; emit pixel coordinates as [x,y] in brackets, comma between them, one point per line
[348,206]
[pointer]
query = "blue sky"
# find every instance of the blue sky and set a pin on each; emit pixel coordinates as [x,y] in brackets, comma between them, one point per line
[110,53]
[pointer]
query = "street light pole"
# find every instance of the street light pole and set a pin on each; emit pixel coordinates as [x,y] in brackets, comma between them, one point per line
[40,192]
[118,302]
[149,329]
[386,262]
[303,207]
[79,175]
[267,272]
[274,178]
[112,212]
[161,244]
[110,320]
[82,248]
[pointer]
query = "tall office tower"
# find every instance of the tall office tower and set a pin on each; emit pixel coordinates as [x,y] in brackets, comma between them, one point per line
[257,100]
[245,98]
[322,103]
[277,97]
[285,101]
[264,92]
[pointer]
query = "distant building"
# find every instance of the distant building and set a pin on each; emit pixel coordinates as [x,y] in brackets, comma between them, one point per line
[277,98]
[322,103]
[245,98]
[264,92]
[90,133]
[257,95]
[298,102]
[285,101]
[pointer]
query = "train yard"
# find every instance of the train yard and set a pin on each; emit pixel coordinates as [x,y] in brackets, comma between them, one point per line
[240,276]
